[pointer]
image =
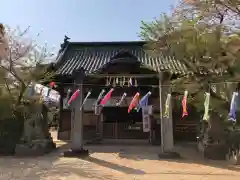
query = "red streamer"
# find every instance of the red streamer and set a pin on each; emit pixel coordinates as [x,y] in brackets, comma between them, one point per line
[134,102]
[51,84]
[73,97]
[107,97]
[184,106]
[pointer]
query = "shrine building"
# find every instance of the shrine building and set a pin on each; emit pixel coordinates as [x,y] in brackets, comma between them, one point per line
[127,68]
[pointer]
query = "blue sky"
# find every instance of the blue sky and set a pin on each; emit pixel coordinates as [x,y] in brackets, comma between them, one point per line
[82,20]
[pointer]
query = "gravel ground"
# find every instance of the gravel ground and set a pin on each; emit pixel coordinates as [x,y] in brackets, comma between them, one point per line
[116,162]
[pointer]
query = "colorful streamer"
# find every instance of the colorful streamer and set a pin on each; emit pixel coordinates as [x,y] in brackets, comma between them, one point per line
[88,94]
[99,97]
[107,97]
[167,105]
[134,102]
[184,104]
[206,107]
[68,96]
[52,84]
[121,100]
[233,107]
[73,97]
[143,101]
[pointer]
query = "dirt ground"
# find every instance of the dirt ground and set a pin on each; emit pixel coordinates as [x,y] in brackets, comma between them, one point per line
[116,162]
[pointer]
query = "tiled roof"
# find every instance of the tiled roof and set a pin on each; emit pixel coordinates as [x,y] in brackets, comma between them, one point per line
[93,56]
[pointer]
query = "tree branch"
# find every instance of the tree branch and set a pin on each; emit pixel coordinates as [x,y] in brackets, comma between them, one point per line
[230,8]
[221,15]
[12,73]
[9,91]
[22,90]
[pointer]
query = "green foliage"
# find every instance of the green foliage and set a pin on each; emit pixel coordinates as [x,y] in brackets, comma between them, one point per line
[5,107]
[10,133]
[23,65]
[203,48]
[200,35]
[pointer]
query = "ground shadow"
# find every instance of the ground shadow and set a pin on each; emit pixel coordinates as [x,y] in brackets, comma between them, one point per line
[42,167]
[50,166]
[193,174]
[110,165]
[207,162]
[189,154]
[90,167]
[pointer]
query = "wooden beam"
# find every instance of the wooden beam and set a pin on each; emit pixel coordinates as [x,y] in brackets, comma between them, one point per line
[123,75]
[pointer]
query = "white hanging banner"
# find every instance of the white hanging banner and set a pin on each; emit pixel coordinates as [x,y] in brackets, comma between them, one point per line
[146,119]
[53,95]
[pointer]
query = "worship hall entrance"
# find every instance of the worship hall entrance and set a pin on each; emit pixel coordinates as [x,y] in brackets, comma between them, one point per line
[119,124]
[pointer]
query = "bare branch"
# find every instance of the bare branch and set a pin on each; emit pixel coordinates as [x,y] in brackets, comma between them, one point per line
[23,60]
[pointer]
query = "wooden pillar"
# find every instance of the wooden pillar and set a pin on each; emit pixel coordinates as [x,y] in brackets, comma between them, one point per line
[101,125]
[161,111]
[97,125]
[61,91]
[77,115]
[99,121]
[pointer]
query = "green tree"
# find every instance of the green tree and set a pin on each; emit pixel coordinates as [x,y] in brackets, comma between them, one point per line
[204,35]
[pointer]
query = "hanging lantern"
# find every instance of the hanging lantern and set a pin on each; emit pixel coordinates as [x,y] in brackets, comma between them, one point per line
[114,83]
[107,81]
[124,81]
[130,82]
[121,82]
[135,82]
